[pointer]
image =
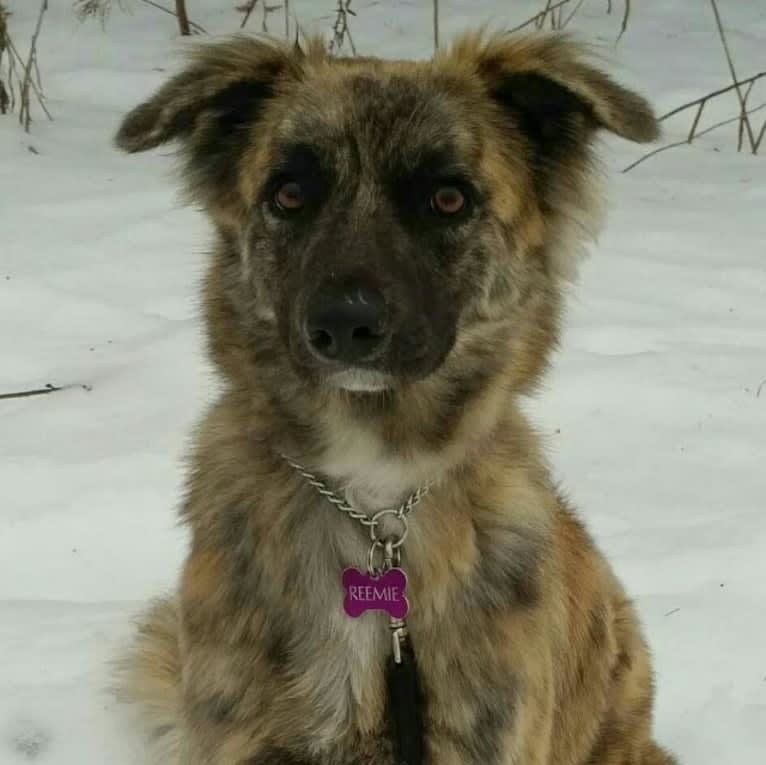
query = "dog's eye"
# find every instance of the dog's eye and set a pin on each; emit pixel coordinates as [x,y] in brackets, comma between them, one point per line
[448,200]
[289,197]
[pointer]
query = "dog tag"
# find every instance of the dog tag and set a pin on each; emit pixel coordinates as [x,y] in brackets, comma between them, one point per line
[368,593]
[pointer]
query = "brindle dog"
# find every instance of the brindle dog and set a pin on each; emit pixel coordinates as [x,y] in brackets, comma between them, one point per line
[393,239]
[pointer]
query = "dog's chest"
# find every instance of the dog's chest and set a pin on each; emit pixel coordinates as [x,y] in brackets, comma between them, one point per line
[467,699]
[468,693]
[467,710]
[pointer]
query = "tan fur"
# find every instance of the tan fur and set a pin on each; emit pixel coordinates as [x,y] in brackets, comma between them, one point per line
[528,649]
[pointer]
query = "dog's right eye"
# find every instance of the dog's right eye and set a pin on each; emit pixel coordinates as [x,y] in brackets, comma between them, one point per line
[289,197]
[448,200]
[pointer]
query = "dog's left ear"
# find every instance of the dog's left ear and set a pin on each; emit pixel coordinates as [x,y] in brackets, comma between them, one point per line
[554,94]
[221,90]
[210,110]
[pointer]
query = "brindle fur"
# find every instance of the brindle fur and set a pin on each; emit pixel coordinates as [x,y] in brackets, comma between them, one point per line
[529,651]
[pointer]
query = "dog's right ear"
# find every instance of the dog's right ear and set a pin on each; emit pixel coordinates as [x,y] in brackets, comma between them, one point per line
[218,95]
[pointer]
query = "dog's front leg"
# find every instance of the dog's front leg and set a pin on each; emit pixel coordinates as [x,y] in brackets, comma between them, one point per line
[495,704]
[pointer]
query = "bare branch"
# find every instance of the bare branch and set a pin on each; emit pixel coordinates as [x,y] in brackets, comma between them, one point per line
[25,114]
[549,9]
[760,136]
[29,393]
[722,123]
[625,19]
[38,93]
[183,18]
[696,121]
[267,9]
[341,29]
[556,20]
[287,19]
[687,142]
[436,24]
[747,81]
[195,27]
[247,9]
[539,18]
[745,124]
[100,9]
[6,98]
[566,21]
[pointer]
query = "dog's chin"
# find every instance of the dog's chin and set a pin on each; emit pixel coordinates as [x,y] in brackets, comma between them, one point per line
[360,381]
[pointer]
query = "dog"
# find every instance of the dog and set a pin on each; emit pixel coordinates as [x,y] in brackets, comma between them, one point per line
[393,241]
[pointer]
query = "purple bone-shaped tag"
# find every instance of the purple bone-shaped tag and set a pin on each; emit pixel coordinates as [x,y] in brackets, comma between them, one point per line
[368,593]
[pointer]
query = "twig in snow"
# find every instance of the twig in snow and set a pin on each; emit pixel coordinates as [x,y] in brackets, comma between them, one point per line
[25,112]
[100,9]
[195,27]
[571,15]
[183,18]
[37,91]
[760,388]
[759,140]
[341,29]
[688,141]
[29,393]
[672,611]
[749,81]
[267,9]
[745,122]
[436,24]
[555,11]
[247,8]
[625,19]
[287,19]
[6,98]
[551,9]
[539,18]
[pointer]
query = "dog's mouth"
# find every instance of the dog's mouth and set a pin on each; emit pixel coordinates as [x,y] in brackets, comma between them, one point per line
[355,380]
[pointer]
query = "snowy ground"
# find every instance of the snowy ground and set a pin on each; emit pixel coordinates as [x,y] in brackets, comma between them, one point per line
[653,412]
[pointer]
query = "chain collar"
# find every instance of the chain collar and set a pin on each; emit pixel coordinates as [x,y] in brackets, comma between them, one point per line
[390,546]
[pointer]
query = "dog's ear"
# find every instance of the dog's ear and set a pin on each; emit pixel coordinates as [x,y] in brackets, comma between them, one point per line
[209,110]
[546,91]
[555,96]
[221,91]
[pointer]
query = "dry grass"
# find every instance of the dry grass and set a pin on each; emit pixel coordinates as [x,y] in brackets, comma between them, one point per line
[20,81]
[95,9]
[20,77]
[745,126]
[743,89]
[31,70]
[6,92]
[556,15]
[266,10]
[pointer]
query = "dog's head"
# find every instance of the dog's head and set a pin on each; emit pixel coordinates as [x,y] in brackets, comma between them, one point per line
[386,224]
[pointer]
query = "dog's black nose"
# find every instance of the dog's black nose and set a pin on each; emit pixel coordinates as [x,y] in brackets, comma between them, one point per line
[346,324]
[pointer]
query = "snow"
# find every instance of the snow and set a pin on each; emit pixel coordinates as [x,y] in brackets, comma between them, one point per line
[652,414]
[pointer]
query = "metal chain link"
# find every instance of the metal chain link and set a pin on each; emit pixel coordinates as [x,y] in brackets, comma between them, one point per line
[369,522]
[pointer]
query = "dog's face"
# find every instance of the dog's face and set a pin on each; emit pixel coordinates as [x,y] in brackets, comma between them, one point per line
[368,221]
[386,223]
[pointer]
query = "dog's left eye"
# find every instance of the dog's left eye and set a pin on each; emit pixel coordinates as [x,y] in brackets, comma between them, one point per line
[448,200]
[289,197]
